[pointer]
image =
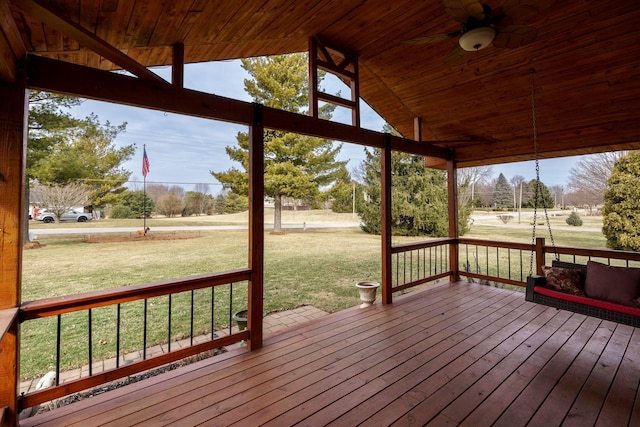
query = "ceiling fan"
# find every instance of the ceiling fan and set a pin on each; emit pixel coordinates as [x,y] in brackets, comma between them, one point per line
[482,26]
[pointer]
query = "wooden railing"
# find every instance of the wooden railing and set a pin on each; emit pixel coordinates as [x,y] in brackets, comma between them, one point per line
[418,263]
[489,261]
[501,262]
[85,306]
[546,253]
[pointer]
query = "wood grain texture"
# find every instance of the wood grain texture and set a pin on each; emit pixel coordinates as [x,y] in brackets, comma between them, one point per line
[586,58]
[455,353]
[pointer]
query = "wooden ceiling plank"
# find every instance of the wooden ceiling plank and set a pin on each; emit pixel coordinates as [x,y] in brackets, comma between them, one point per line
[84,37]
[214,17]
[175,23]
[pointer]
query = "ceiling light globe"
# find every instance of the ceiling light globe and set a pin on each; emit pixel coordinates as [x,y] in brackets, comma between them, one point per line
[477,39]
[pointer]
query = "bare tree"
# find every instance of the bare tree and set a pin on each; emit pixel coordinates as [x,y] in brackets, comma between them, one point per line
[557,191]
[468,179]
[516,182]
[589,176]
[59,199]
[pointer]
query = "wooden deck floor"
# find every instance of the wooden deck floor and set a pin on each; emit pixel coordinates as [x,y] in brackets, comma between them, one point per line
[456,354]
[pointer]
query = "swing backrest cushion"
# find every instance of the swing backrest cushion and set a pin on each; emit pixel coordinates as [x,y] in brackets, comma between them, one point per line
[567,280]
[615,284]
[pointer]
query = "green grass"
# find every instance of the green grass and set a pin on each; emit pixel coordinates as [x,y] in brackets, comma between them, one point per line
[316,267]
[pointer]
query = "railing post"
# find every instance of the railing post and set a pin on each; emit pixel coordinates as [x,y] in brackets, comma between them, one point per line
[452,190]
[385,217]
[256,228]
[540,255]
[13,147]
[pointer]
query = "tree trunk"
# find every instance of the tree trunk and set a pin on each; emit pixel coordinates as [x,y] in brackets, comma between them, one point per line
[277,213]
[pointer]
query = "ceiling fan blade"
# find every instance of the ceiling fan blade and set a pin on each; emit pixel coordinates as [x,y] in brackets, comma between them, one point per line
[462,10]
[432,38]
[515,36]
[456,56]
[522,9]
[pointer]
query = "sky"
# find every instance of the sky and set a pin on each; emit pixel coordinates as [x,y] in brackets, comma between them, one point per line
[182,150]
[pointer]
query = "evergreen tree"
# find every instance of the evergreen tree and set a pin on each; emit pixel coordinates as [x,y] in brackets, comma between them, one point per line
[621,211]
[342,193]
[419,197]
[295,165]
[137,203]
[502,193]
[545,199]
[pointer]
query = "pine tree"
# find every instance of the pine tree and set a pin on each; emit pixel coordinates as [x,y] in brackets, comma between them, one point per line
[502,193]
[295,165]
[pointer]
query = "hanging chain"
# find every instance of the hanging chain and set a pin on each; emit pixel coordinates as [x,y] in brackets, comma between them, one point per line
[538,183]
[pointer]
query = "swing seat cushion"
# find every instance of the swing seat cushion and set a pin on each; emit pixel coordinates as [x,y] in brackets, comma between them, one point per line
[587,301]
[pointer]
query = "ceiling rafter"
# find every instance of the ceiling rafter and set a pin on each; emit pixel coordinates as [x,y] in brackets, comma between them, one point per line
[38,10]
[11,47]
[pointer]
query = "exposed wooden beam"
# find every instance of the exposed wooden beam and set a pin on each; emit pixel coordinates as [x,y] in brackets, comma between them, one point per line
[61,77]
[11,46]
[38,10]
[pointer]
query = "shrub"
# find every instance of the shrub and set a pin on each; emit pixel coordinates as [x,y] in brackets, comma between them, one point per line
[121,212]
[505,218]
[574,219]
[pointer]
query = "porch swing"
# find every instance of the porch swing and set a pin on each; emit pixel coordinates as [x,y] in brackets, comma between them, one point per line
[564,285]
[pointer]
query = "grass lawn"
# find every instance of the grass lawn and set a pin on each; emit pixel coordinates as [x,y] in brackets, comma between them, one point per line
[315,267]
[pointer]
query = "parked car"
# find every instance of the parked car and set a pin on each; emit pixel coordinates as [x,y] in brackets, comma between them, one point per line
[72,215]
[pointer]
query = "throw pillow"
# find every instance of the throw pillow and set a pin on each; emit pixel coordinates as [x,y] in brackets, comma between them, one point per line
[566,280]
[614,284]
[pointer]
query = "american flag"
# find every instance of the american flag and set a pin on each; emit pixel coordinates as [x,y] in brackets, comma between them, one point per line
[145,163]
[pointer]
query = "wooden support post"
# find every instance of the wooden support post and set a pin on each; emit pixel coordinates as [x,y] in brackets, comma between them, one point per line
[454,232]
[256,228]
[540,255]
[385,217]
[355,95]
[177,66]
[13,147]
[313,77]
[417,129]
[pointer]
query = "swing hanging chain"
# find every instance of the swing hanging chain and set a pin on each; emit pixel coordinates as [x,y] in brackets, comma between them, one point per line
[538,183]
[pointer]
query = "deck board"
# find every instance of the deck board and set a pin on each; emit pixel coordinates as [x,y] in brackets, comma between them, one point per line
[454,354]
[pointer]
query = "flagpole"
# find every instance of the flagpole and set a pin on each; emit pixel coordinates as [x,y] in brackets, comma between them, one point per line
[144,192]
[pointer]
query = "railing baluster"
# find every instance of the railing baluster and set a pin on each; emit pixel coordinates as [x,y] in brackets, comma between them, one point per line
[487,259]
[230,306]
[404,267]
[118,337]
[144,332]
[213,305]
[58,349]
[397,268]
[521,275]
[169,325]
[90,342]
[411,266]
[191,328]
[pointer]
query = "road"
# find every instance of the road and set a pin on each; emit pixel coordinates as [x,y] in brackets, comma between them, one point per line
[88,230]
